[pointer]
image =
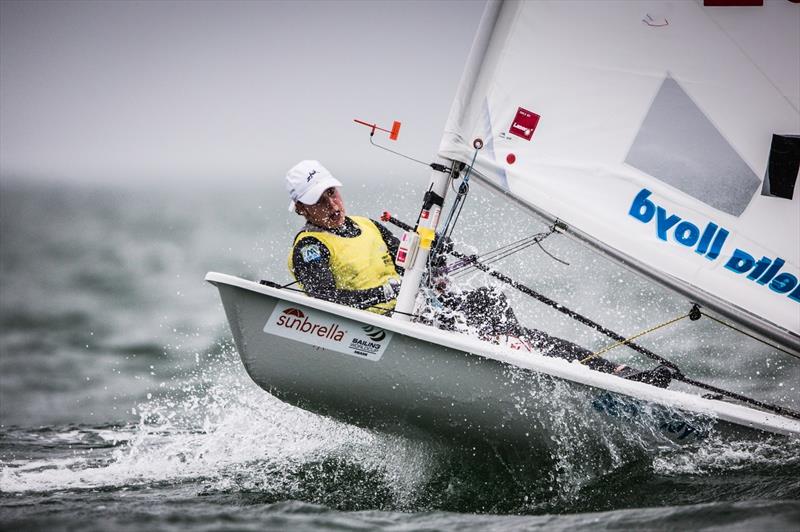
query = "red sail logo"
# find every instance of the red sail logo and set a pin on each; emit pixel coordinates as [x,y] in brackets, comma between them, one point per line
[524,124]
[293,318]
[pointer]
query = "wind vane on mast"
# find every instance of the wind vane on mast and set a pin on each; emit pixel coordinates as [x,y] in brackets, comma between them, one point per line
[393,133]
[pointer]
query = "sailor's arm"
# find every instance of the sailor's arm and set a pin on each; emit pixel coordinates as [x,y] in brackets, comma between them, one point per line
[311,262]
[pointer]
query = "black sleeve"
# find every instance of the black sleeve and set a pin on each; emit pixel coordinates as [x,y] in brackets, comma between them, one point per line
[311,263]
[391,241]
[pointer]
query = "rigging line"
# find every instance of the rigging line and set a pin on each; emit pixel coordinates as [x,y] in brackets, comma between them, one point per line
[457,265]
[466,268]
[390,311]
[520,245]
[521,242]
[634,337]
[455,211]
[396,152]
[273,284]
[493,256]
[503,251]
[453,187]
[751,336]
[463,198]
[539,243]
[564,310]
[458,199]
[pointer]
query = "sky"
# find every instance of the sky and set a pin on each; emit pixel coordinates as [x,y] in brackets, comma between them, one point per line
[184,91]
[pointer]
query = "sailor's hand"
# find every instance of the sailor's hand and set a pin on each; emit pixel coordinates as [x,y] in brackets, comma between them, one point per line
[439,280]
[391,288]
[441,284]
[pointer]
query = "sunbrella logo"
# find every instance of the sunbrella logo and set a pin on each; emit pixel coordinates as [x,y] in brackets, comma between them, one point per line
[293,318]
[327,331]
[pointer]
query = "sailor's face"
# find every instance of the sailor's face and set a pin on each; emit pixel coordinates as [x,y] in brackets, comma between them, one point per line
[328,212]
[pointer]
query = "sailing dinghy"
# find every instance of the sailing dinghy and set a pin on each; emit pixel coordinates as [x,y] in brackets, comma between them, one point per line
[662,134]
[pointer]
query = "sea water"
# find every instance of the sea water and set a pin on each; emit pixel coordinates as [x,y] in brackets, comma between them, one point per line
[123,404]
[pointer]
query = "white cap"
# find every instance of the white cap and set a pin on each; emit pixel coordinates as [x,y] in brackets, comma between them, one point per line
[306,182]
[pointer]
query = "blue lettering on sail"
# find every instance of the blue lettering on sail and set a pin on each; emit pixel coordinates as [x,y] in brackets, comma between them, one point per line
[709,243]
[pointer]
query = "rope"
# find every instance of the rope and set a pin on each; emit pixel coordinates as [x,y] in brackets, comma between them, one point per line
[561,308]
[634,337]
[458,202]
[750,335]
[507,250]
[539,243]
[389,312]
[515,247]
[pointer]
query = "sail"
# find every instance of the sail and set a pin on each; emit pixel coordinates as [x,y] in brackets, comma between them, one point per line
[665,133]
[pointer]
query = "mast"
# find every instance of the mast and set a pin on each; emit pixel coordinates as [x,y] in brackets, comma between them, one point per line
[429,214]
[415,246]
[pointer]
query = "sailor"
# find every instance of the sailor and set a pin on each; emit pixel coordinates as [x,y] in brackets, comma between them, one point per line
[350,260]
[488,311]
[346,259]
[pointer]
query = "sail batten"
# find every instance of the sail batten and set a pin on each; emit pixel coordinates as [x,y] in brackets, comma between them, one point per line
[647,127]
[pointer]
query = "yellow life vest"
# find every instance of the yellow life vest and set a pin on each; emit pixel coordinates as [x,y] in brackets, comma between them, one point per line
[357,263]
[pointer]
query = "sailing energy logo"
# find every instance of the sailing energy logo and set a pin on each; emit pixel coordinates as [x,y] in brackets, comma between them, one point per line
[327,331]
[372,344]
[374,333]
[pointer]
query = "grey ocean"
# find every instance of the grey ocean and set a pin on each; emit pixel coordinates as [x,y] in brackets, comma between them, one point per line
[123,404]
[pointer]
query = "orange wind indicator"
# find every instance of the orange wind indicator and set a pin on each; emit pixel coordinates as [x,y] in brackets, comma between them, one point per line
[393,133]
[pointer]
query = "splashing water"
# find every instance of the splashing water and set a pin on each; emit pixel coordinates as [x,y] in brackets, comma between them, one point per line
[210,434]
[224,431]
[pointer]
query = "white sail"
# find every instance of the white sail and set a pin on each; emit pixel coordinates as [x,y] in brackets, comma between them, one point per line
[647,128]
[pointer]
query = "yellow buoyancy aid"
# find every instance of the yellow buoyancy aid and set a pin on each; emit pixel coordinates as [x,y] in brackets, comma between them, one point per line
[357,263]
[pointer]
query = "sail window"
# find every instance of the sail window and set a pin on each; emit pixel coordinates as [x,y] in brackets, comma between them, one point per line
[679,145]
[783,166]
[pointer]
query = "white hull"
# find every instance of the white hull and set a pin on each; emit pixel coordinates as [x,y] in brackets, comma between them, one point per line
[417,378]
